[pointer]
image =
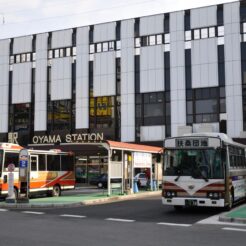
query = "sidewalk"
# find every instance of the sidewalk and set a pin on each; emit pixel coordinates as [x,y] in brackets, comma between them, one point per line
[237,215]
[76,200]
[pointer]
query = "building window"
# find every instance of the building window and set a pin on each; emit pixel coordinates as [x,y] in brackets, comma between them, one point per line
[211,32]
[188,36]
[197,34]
[57,53]
[111,45]
[21,116]
[159,39]
[167,38]
[204,33]
[137,42]
[220,31]
[152,40]
[105,47]
[17,58]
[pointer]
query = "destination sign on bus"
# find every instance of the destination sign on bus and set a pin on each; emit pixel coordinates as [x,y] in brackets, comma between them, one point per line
[191,143]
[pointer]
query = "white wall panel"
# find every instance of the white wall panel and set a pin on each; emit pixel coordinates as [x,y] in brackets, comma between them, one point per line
[177,71]
[61,39]
[152,69]
[104,32]
[151,25]
[152,133]
[40,113]
[82,79]
[21,91]
[233,70]
[104,74]
[204,60]
[61,79]
[22,45]
[203,17]
[127,82]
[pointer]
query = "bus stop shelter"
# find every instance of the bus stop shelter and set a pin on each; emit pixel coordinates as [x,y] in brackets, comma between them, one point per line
[120,158]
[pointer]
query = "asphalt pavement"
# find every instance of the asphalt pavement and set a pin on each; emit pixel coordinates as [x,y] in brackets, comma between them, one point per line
[142,221]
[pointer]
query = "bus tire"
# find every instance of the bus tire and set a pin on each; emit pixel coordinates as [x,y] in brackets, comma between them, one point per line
[56,191]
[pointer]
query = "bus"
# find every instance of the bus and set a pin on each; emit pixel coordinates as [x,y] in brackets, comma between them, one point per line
[205,169]
[50,171]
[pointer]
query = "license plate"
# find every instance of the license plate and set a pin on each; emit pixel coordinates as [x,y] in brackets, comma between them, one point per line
[190,203]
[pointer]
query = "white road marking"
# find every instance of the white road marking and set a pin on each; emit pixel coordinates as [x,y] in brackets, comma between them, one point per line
[119,220]
[233,229]
[214,220]
[174,224]
[72,216]
[32,212]
[3,210]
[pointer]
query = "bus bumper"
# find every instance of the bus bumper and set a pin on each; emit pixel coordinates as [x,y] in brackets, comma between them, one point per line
[193,202]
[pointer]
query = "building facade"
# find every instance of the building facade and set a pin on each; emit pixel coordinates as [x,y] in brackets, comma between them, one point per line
[135,80]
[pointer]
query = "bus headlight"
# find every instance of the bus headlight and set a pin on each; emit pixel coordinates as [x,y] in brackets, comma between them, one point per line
[170,194]
[213,195]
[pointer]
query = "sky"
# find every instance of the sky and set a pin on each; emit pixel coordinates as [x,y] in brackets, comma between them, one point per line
[24,17]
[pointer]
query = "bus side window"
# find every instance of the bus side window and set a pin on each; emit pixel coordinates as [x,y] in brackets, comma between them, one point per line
[53,162]
[67,163]
[42,162]
[11,158]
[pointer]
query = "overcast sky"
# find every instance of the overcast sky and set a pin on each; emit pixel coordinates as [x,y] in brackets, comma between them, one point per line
[22,17]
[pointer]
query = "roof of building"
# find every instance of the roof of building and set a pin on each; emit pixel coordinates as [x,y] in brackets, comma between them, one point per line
[135,147]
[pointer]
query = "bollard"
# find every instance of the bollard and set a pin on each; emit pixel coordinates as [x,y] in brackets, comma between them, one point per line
[135,186]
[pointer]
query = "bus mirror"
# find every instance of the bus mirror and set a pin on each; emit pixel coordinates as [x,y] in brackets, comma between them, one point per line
[5,179]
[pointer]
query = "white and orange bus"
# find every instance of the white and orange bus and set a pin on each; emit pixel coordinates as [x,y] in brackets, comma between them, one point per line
[206,169]
[51,171]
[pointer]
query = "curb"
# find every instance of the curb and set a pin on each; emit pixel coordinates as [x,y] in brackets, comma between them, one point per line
[224,218]
[82,203]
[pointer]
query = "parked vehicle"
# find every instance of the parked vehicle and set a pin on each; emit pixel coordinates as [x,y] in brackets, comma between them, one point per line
[142,179]
[101,181]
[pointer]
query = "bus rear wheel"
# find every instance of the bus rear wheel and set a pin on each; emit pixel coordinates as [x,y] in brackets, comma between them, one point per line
[56,191]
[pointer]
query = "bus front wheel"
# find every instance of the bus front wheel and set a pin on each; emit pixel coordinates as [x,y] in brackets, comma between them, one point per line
[56,191]
[231,201]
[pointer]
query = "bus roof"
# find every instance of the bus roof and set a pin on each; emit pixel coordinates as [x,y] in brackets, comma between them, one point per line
[10,146]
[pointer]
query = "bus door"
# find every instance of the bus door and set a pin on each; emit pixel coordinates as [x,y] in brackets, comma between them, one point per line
[33,167]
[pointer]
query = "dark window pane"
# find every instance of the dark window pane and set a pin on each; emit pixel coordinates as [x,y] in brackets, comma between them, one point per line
[199,118]
[41,163]
[189,95]
[155,109]
[166,23]
[152,97]
[160,97]
[53,162]
[198,94]
[190,107]
[222,92]
[187,20]
[189,119]
[206,106]
[67,163]
[11,158]
[205,93]
[222,106]
[213,92]
[144,41]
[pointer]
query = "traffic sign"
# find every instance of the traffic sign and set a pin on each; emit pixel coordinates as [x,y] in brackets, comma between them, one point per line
[11,167]
[23,163]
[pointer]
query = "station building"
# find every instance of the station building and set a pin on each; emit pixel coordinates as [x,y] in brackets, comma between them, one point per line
[137,80]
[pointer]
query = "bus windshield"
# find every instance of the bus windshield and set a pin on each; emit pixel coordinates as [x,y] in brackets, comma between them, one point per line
[1,162]
[197,163]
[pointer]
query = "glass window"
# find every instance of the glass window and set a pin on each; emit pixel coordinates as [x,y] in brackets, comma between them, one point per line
[187,35]
[105,46]
[92,48]
[167,47]
[111,45]
[50,54]
[61,53]
[116,155]
[167,38]
[151,40]
[220,31]
[118,45]
[67,163]
[159,39]
[21,116]
[144,41]
[99,47]
[41,162]
[197,34]
[204,33]
[28,57]
[11,59]
[53,162]
[206,106]
[189,107]
[74,51]
[244,27]
[211,32]
[137,42]
[33,56]
[17,58]
[56,53]
[23,58]
[11,158]
[153,110]
[33,163]
[68,51]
